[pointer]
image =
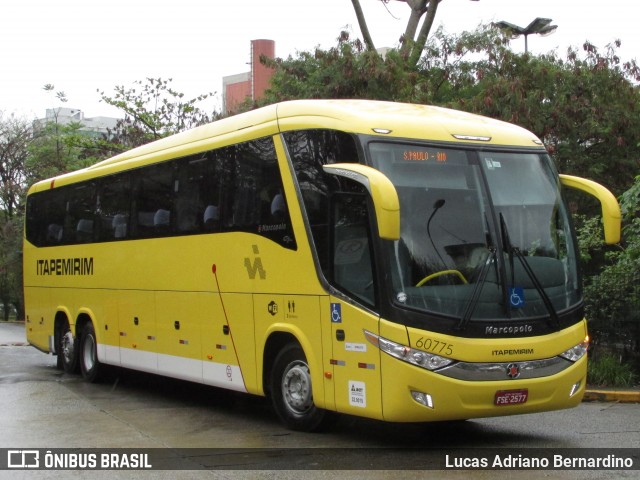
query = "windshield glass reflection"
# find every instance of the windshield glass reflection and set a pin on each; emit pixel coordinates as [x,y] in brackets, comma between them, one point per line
[456,207]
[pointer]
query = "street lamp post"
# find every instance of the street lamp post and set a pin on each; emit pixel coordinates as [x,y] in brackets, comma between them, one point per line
[540,26]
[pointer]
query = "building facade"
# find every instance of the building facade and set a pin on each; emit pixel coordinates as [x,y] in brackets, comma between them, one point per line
[91,126]
[249,85]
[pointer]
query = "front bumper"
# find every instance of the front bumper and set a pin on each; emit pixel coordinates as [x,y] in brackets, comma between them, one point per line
[455,399]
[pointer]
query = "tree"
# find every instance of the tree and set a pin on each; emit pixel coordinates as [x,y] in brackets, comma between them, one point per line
[413,40]
[58,146]
[586,108]
[15,135]
[348,70]
[612,290]
[152,110]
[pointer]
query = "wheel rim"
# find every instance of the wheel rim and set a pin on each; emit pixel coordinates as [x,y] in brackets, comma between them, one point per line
[88,353]
[296,388]
[68,347]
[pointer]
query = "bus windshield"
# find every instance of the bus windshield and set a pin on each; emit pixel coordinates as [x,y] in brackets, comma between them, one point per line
[484,235]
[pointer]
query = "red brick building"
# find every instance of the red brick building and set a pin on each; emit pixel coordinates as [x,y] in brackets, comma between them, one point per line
[252,84]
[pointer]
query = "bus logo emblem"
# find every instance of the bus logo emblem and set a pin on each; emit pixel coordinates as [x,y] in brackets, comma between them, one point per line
[256,266]
[513,370]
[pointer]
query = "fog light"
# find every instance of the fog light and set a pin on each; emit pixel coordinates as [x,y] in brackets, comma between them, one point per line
[422,398]
[575,389]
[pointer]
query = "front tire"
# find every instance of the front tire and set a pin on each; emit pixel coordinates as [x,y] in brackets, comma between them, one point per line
[90,366]
[292,392]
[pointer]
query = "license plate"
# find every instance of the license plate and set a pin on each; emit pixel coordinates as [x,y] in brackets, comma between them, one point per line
[511,397]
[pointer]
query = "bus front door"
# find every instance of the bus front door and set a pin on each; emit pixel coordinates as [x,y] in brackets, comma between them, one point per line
[355,362]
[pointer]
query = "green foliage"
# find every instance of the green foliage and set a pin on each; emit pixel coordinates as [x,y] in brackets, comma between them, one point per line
[608,370]
[454,66]
[630,207]
[586,107]
[11,266]
[625,258]
[612,290]
[57,148]
[154,109]
[15,134]
[345,71]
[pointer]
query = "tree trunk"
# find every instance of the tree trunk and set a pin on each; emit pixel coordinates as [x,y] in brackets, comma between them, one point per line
[20,312]
[411,47]
[363,25]
[421,41]
[418,9]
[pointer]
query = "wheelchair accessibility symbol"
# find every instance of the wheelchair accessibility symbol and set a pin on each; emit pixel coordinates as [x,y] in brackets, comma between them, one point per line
[336,313]
[516,297]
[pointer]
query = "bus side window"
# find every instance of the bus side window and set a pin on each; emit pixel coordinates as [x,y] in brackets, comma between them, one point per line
[254,194]
[188,195]
[45,217]
[153,196]
[212,192]
[115,207]
[246,189]
[80,219]
[198,194]
[309,151]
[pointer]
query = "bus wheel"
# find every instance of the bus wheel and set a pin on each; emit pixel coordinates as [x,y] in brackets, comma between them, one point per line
[89,364]
[291,391]
[67,350]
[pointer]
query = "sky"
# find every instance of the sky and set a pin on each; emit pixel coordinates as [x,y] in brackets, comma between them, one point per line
[82,46]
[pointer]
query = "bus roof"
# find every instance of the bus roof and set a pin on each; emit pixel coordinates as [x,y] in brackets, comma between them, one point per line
[387,119]
[402,120]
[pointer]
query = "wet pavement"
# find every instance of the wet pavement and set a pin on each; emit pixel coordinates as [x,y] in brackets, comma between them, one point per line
[43,407]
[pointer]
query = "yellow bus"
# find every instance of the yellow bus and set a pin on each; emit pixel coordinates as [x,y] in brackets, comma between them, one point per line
[399,262]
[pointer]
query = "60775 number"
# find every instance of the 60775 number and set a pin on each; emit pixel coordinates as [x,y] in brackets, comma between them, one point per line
[435,346]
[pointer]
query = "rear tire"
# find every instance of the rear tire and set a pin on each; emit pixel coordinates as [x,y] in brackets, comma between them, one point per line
[292,392]
[90,366]
[67,349]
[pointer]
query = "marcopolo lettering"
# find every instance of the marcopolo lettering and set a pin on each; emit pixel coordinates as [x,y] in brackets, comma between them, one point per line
[65,266]
[491,330]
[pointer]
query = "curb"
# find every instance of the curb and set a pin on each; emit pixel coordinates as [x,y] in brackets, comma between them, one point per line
[622,396]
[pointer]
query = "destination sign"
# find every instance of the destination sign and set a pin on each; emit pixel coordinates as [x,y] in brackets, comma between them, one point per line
[424,155]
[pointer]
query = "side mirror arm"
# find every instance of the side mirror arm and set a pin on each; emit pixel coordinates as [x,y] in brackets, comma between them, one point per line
[610,207]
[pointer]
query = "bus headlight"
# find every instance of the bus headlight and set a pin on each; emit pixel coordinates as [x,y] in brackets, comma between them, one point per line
[407,354]
[576,353]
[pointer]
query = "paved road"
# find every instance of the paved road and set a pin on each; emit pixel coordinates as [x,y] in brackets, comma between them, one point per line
[45,408]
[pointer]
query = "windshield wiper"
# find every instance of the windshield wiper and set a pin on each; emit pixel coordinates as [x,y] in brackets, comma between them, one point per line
[477,288]
[512,250]
[482,278]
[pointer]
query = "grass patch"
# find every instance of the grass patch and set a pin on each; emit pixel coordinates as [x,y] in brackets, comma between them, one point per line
[607,371]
